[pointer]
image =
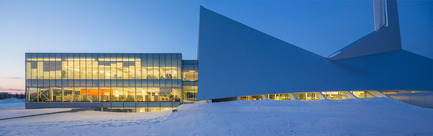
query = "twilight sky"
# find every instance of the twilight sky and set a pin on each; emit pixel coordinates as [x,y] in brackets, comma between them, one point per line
[171,26]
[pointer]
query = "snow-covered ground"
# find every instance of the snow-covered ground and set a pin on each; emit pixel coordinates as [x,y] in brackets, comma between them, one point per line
[372,116]
[15,107]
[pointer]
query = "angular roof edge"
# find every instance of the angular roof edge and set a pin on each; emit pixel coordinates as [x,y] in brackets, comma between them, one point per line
[385,39]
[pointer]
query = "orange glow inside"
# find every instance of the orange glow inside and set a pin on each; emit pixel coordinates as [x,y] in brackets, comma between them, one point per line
[94,91]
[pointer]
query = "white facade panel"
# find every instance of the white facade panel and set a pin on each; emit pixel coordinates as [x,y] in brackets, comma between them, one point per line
[236,60]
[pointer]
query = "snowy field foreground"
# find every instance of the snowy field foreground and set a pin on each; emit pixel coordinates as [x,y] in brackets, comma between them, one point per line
[15,107]
[372,116]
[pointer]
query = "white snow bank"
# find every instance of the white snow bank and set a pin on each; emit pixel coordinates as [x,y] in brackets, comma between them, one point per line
[372,116]
[13,107]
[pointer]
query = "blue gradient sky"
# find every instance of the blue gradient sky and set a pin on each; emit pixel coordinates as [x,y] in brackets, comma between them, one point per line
[137,26]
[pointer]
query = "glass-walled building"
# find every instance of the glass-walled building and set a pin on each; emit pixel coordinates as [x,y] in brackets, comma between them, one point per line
[190,79]
[109,77]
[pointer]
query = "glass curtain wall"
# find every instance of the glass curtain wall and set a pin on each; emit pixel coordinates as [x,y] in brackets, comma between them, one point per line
[89,77]
[190,79]
[190,93]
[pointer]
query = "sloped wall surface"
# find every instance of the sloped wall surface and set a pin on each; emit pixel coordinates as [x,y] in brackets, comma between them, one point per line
[236,60]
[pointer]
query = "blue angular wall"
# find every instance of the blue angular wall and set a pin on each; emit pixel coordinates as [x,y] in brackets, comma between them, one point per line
[236,60]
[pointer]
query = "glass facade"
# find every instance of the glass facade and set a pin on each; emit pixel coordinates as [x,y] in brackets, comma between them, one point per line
[125,78]
[103,77]
[279,96]
[190,79]
[330,95]
[337,95]
[362,94]
[306,96]
[252,97]
[390,92]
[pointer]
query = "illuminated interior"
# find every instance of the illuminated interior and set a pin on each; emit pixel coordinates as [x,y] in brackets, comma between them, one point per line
[105,77]
[103,66]
[417,91]
[190,93]
[190,75]
[362,94]
[252,97]
[279,96]
[189,79]
[329,95]
[395,92]
[337,95]
[117,77]
[306,96]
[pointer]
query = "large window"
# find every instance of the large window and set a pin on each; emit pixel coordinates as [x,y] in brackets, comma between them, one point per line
[44,94]
[190,75]
[306,96]
[337,95]
[279,96]
[364,94]
[68,95]
[86,77]
[57,94]
[32,95]
[129,94]
[190,93]
[105,94]
[252,97]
